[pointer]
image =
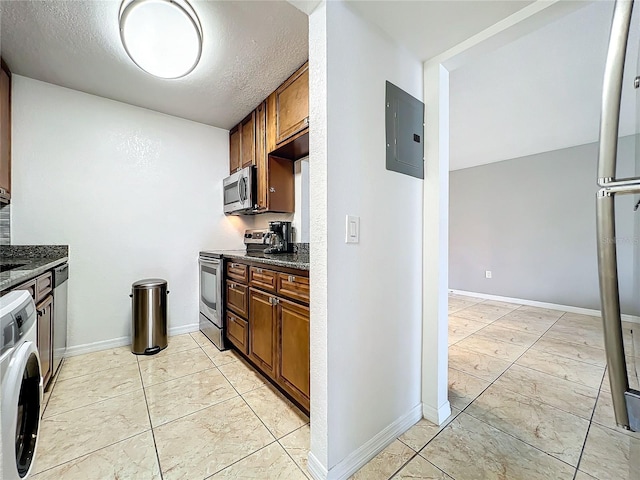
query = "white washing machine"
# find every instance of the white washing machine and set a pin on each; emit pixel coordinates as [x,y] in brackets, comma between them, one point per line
[21,385]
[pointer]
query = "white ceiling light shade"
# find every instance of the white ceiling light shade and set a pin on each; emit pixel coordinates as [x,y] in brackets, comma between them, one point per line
[162,37]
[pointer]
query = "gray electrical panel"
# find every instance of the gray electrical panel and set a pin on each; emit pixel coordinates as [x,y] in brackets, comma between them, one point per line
[404,121]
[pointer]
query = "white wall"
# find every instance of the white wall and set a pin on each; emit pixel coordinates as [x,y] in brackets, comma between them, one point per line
[501,100]
[300,217]
[536,232]
[374,288]
[133,192]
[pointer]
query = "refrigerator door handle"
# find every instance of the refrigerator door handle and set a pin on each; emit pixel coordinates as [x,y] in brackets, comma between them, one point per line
[612,90]
[605,215]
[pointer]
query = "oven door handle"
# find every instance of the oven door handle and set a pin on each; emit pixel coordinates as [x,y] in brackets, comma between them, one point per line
[209,263]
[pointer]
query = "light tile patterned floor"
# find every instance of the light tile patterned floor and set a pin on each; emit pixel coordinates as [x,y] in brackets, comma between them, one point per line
[528,389]
[189,412]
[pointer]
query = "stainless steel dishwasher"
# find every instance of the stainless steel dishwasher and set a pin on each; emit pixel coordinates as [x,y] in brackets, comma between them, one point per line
[60,277]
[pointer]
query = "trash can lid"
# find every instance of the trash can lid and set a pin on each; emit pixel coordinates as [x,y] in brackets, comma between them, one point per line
[149,282]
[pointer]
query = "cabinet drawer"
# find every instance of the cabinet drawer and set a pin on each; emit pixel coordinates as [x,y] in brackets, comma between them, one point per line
[263,278]
[237,272]
[294,287]
[44,285]
[238,332]
[30,287]
[238,298]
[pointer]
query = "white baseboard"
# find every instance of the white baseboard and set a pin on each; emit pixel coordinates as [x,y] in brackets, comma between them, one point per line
[315,468]
[551,306]
[122,341]
[439,415]
[359,458]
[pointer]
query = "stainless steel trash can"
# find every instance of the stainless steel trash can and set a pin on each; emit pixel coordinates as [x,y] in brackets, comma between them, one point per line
[149,316]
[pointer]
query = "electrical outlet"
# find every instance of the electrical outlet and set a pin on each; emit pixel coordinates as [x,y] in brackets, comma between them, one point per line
[487,274]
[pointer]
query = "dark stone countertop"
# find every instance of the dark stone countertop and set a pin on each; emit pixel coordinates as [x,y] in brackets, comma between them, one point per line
[34,260]
[298,261]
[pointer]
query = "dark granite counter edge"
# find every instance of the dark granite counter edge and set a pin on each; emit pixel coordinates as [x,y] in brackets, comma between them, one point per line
[20,276]
[33,251]
[300,265]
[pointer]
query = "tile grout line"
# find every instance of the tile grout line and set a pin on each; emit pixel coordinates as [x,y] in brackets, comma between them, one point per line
[92,452]
[584,443]
[239,460]
[287,451]
[128,392]
[153,435]
[484,390]
[545,403]
[404,464]
[178,378]
[275,440]
[590,421]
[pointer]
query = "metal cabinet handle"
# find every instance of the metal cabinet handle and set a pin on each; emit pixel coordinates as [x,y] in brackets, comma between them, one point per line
[258,270]
[274,300]
[292,278]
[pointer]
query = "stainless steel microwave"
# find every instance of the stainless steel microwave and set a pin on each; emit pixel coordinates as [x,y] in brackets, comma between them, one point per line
[239,192]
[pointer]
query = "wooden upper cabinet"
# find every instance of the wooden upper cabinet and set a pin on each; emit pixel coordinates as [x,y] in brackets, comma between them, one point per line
[292,105]
[248,140]
[261,156]
[234,149]
[5,133]
[275,175]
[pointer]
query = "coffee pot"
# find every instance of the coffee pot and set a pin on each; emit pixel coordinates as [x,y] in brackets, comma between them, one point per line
[280,237]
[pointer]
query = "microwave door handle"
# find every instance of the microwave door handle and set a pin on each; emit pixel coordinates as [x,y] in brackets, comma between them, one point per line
[242,189]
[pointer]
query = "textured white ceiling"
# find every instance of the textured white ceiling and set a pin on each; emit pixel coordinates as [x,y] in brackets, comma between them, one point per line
[429,27]
[249,49]
[539,93]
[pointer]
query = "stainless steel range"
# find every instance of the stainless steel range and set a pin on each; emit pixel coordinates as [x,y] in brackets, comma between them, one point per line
[211,304]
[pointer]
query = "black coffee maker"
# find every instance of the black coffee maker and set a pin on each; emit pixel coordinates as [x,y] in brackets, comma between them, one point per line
[280,238]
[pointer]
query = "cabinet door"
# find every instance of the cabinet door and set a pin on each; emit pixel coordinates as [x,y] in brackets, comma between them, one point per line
[263,278]
[237,299]
[294,286]
[44,286]
[292,105]
[237,332]
[261,155]
[248,140]
[45,334]
[5,133]
[238,272]
[294,364]
[262,330]
[234,149]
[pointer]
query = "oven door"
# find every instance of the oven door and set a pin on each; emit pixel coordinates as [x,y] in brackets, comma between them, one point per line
[211,320]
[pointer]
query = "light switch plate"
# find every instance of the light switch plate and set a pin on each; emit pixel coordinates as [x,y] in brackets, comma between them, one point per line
[352,229]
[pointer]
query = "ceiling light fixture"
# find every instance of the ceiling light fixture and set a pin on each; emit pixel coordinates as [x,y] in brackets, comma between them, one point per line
[162,37]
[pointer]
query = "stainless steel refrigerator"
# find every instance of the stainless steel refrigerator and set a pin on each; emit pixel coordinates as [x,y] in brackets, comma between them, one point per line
[612,191]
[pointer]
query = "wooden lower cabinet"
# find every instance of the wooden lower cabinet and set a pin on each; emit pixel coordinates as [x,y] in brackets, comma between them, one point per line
[237,298]
[293,358]
[262,330]
[238,332]
[271,328]
[45,333]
